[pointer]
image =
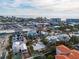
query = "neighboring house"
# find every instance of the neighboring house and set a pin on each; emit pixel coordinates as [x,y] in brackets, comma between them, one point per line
[23,48]
[76,46]
[16,47]
[38,46]
[56,27]
[18,37]
[19,47]
[62,49]
[44,33]
[75,34]
[63,52]
[63,37]
[72,24]
[58,37]
[52,39]
[61,57]
[32,34]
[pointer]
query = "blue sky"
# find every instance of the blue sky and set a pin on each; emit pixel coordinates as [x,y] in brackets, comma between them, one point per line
[35,8]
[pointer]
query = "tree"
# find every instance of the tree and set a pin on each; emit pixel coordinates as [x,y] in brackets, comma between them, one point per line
[74,40]
[77,26]
[40,57]
[53,50]
[50,57]
[64,27]
[44,41]
[9,55]
[9,47]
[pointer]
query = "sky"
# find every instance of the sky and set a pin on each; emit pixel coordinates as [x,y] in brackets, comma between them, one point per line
[40,8]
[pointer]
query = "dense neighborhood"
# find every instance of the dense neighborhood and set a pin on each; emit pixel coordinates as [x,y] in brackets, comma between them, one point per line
[39,38]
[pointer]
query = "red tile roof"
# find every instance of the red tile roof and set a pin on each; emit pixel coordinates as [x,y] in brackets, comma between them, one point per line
[73,54]
[63,48]
[61,57]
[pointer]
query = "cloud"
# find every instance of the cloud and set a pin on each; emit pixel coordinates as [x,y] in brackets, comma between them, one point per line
[40,7]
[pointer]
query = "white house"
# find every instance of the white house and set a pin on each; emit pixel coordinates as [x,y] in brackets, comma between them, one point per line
[44,33]
[19,47]
[23,48]
[63,37]
[16,47]
[75,34]
[38,46]
[52,39]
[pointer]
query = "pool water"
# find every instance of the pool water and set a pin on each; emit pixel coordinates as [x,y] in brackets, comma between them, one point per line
[17,56]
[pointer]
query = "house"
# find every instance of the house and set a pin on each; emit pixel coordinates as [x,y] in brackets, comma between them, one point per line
[32,34]
[57,37]
[23,48]
[52,39]
[62,49]
[38,46]
[63,52]
[16,47]
[18,37]
[61,57]
[19,47]
[73,55]
[76,46]
[44,33]
[63,37]
[75,34]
